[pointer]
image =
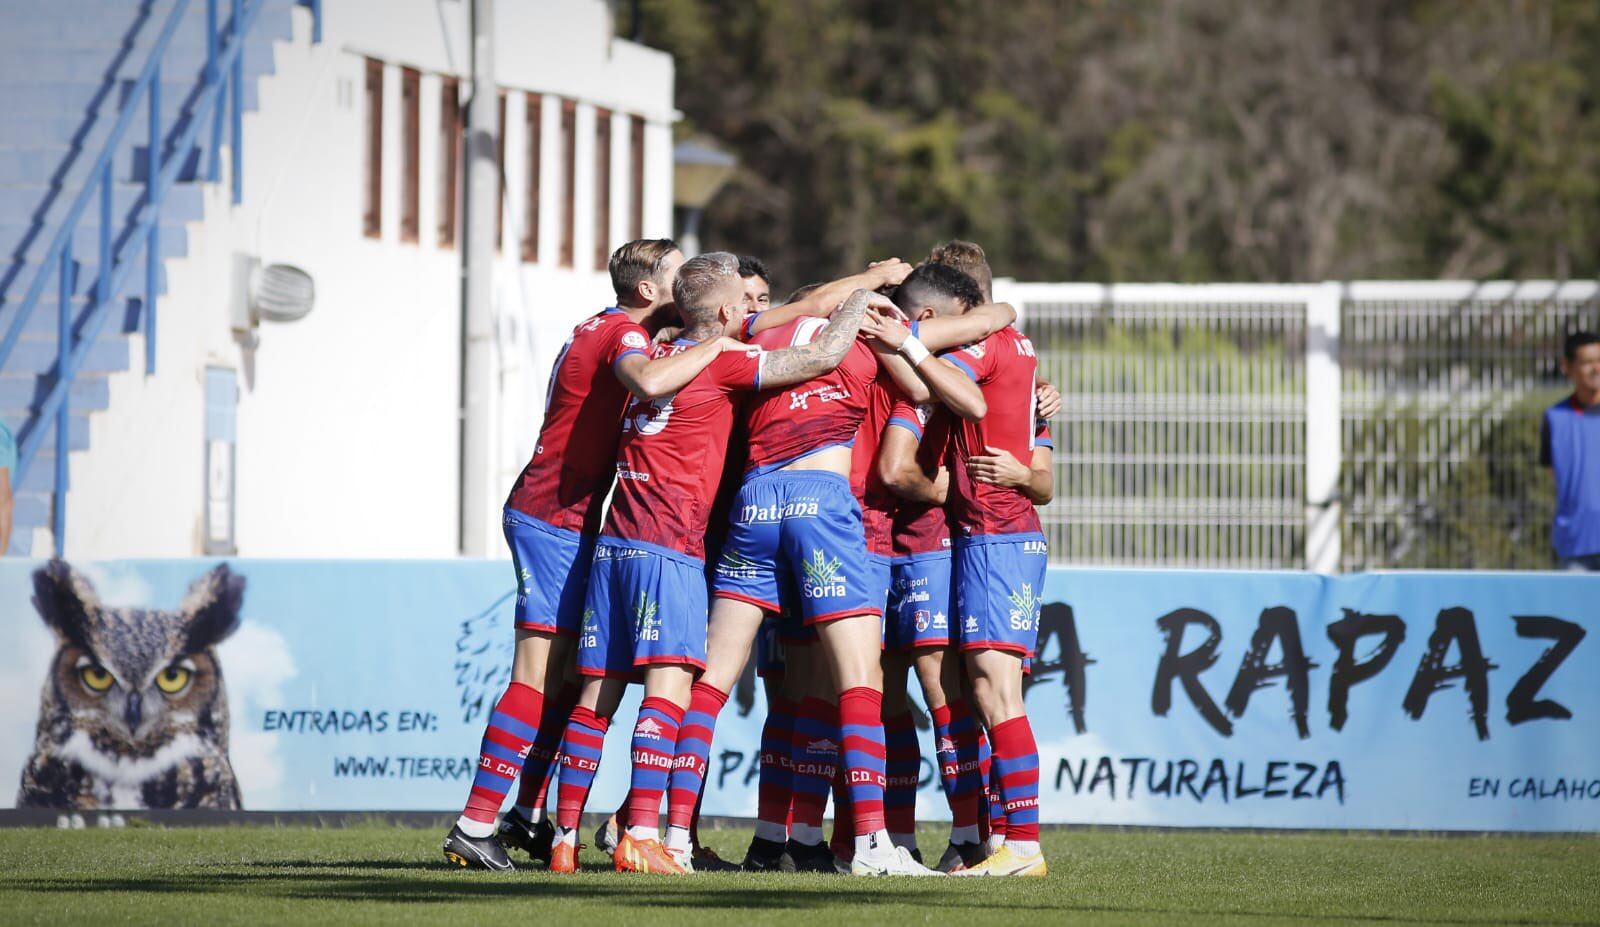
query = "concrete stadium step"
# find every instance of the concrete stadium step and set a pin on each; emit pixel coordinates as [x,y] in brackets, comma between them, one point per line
[16,277]
[20,391]
[77,439]
[19,67]
[32,508]
[184,202]
[67,164]
[86,238]
[38,356]
[41,321]
[53,98]
[123,26]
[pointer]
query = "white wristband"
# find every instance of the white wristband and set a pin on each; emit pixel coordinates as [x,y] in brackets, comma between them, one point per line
[914,350]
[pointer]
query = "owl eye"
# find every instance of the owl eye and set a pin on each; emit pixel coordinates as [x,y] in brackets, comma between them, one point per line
[173,679]
[95,678]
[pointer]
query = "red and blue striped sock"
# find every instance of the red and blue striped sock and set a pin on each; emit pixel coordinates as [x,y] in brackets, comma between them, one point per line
[655,743]
[956,734]
[775,787]
[540,768]
[902,766]
[995,820]
[862,755]
[1016,776]
[843,841]
[693,751]
[814,758]
[512,729]
[580,761]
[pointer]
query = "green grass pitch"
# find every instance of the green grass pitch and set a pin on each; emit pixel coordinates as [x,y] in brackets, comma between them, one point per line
[391,875]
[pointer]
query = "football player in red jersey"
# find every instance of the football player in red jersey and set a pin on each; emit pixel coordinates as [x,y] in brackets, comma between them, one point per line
[551,519]
[645,611]
[999,572]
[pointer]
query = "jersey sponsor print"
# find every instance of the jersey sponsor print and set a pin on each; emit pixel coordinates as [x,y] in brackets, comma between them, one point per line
[670,458]
[788,423]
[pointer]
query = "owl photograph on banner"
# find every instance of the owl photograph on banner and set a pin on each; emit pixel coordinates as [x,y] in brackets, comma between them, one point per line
[134,713]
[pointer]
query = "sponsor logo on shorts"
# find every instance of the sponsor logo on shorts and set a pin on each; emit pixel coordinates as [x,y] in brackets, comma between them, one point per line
[753,514]
[1024,608]
[591,629]
[737,566]
[609,552]
[646,623]
[822,579]
[940,623]
[1035,547]
[971,624]
[922,619]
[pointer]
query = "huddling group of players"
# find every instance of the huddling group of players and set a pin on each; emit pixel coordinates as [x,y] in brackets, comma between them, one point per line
[860,467]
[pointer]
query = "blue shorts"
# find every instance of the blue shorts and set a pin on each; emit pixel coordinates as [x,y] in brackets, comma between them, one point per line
[802,524]
[920,602]
[552,567]
[999,585]
[646,606]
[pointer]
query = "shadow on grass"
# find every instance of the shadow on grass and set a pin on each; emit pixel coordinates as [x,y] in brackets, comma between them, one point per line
[399,882]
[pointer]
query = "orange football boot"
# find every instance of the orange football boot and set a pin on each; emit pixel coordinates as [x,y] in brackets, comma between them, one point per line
[563,857]
[644,856]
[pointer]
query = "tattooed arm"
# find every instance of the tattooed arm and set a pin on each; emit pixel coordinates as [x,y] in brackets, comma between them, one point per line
[799,363]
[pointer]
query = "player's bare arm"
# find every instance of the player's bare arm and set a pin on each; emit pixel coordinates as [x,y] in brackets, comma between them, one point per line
[1035,479]
[663,376]
[975,324]
[943,379]
[799,363]
[900,472]
[824,299]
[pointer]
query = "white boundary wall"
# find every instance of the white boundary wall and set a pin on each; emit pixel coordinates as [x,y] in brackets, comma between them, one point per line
[348,438]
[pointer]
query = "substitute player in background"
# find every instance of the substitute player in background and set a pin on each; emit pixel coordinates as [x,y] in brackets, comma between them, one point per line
[553,515]
[646,606]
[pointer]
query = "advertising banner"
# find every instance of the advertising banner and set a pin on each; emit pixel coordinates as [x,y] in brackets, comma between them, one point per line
[1431,701]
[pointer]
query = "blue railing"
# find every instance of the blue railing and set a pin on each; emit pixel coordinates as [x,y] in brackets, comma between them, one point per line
[223,72]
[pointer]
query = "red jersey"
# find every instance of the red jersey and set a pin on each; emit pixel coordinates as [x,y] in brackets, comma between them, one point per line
[669,462]
[1003,365]
[789,423]
[570,473]
[877,502]
[921,527]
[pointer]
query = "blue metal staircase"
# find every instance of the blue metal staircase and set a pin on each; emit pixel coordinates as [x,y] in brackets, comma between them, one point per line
[84,87]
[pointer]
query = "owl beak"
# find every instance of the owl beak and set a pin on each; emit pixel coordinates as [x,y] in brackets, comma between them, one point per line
[133,712]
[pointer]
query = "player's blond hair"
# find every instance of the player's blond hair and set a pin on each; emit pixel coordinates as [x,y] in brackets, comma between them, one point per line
[968,258]
[699,279]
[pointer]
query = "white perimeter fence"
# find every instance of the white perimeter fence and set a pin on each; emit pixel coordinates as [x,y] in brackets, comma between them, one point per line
[1333,426]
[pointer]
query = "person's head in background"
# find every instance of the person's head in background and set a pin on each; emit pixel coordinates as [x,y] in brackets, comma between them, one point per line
[757,284]
[1580,361]
[968,258]
[803,292]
